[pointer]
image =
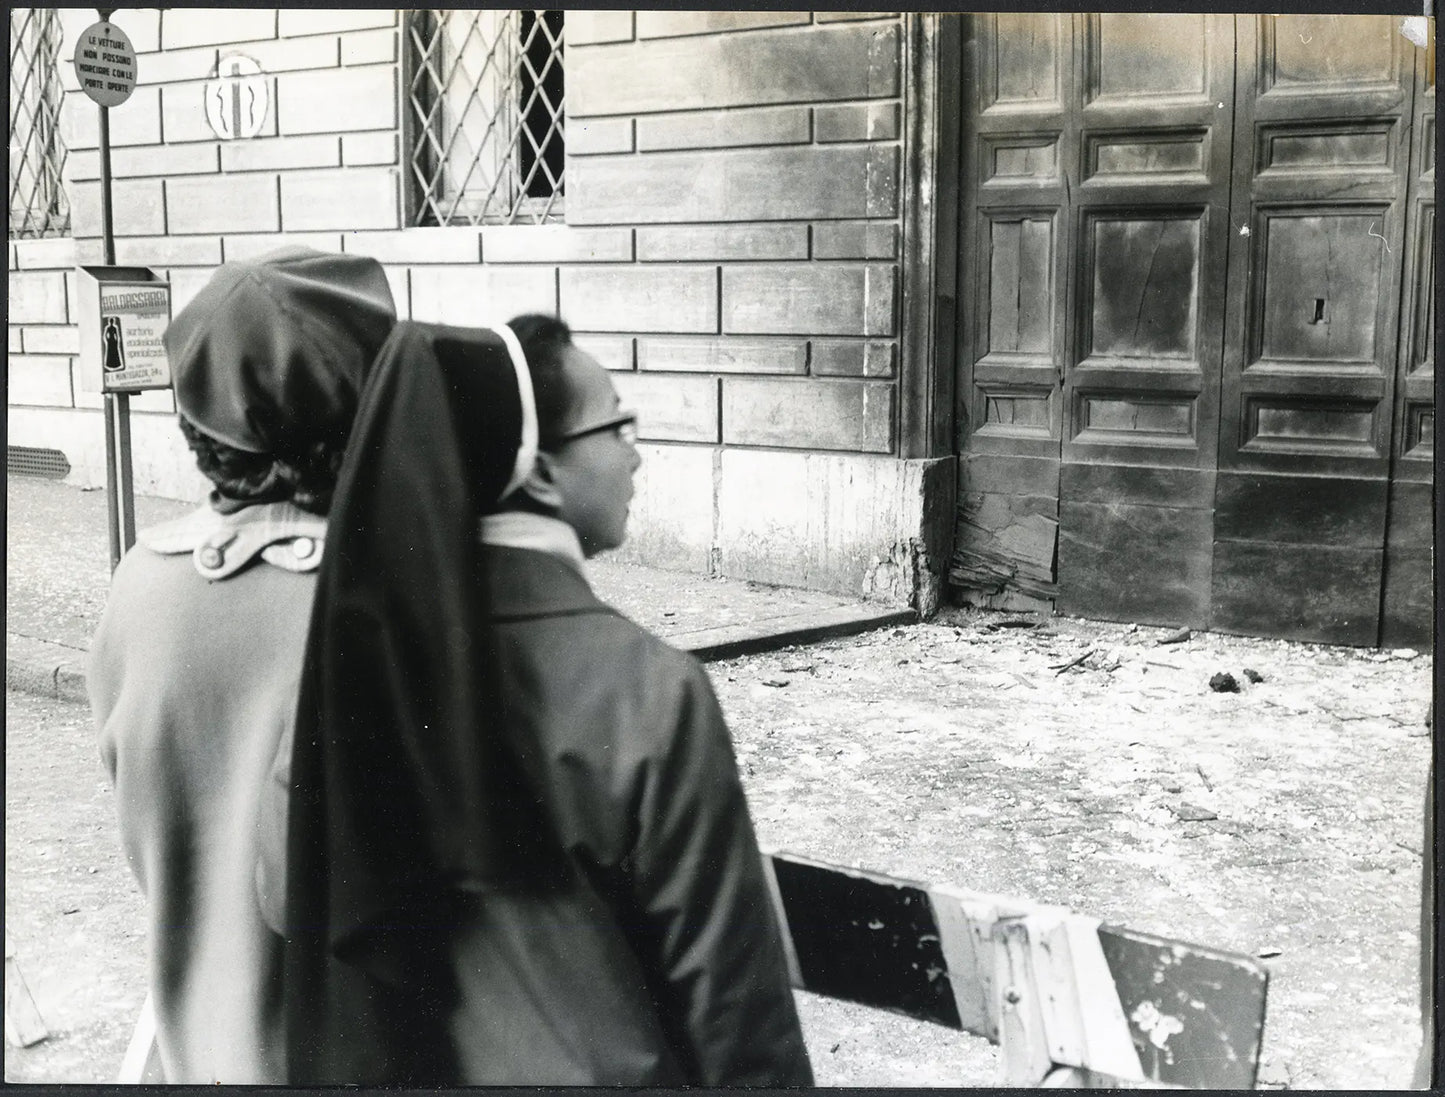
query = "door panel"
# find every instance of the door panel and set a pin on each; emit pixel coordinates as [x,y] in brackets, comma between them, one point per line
[1319,204]
[1189,242]
[1016,92]
[1408,611]
[1141,382]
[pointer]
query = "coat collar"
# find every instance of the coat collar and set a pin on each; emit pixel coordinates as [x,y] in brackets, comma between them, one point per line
[523,583]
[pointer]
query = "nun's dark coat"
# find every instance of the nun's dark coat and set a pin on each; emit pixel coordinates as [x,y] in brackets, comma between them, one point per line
[660,960]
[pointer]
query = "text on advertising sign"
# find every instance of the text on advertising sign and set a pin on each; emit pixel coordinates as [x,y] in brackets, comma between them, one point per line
[105,64]
[133,317]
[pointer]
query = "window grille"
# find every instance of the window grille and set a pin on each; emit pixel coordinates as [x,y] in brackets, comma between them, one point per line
[484,107]
[38,203]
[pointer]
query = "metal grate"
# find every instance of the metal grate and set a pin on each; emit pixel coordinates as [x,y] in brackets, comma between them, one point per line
[38,203]
[485,116]
[34,461]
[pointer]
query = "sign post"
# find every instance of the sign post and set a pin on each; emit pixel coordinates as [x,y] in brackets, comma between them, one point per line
[105,66]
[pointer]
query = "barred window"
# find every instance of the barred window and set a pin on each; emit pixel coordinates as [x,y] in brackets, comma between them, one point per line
[38,203]
[485,118]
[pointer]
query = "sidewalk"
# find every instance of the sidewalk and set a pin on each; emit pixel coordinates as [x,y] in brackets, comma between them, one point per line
[57,572]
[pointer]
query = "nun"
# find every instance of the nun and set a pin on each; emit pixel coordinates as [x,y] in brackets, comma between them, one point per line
[519,852]
[193,672]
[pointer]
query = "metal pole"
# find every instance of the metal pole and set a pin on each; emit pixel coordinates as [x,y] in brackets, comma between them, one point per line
[114,411]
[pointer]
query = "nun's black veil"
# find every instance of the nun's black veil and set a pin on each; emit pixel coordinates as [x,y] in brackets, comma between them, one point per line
[407,789]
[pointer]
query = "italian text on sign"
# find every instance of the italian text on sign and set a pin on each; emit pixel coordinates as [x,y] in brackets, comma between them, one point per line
[132,320]
[105,64]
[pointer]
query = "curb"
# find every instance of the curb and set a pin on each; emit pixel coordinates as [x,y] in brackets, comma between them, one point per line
[45,668]
[714,644]
[48,669]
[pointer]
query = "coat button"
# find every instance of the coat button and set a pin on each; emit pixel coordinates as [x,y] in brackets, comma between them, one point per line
[212,557]
[303,547]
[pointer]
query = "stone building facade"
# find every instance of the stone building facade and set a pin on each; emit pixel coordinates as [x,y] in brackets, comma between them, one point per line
[907,302]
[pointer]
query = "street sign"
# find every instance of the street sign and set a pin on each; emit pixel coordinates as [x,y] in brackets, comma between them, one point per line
[236,98]
[124,312]
[105,64]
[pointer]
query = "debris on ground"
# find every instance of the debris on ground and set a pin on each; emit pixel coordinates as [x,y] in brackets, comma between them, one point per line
[1178,636]
[1253,675]
[1268,951]
[1224,682]
[1192,813]
[776,683]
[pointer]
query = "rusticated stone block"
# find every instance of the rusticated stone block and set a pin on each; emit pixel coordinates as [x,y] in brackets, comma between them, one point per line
[39,380]
[234,248]
[778,241]
[667,24]
[138,206]
[337,100]
[448,244]
[280,153]
[323,20]
[47,253]
[857,122]
[589,28]
[671,409]
[613,351]
[369,47]
[174,65]
[168,251]
[596,136]
[724,129]
[360,198]
[137,122]
[809,300]
[855,240]
[52,339]
[801,414]
[640,299]
[555,244]
[778,184]
[294,55]
[480,294]
[368,148]
[221,203]
[843,522]
[818,65]
[852,358]
[146,160]
[723,355]
[185,27]
[671,522]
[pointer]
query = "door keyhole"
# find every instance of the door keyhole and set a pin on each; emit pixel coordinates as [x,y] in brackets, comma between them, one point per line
[1319,316]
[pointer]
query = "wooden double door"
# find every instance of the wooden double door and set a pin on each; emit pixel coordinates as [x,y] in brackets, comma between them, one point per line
[1196,349]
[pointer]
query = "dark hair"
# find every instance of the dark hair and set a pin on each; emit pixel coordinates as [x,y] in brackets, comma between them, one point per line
[543,339]
[307,479]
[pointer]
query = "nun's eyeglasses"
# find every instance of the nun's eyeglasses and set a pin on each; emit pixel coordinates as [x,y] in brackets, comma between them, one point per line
[624,424]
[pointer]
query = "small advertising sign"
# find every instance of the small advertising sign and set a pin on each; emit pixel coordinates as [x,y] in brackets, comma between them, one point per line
[132,320]
[105,64]
[125,312]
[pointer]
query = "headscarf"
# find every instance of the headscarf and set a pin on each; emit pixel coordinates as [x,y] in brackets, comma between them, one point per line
[271,355]
[407,787]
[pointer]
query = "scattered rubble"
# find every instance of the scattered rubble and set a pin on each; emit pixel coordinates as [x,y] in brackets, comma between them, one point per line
[1176,637]
[1253,675]
[1223,682]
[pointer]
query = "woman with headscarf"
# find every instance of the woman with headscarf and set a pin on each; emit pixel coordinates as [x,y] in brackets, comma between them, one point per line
[194,670]
[519,850]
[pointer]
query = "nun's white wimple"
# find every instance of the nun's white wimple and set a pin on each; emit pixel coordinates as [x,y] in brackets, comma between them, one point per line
[527,451]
